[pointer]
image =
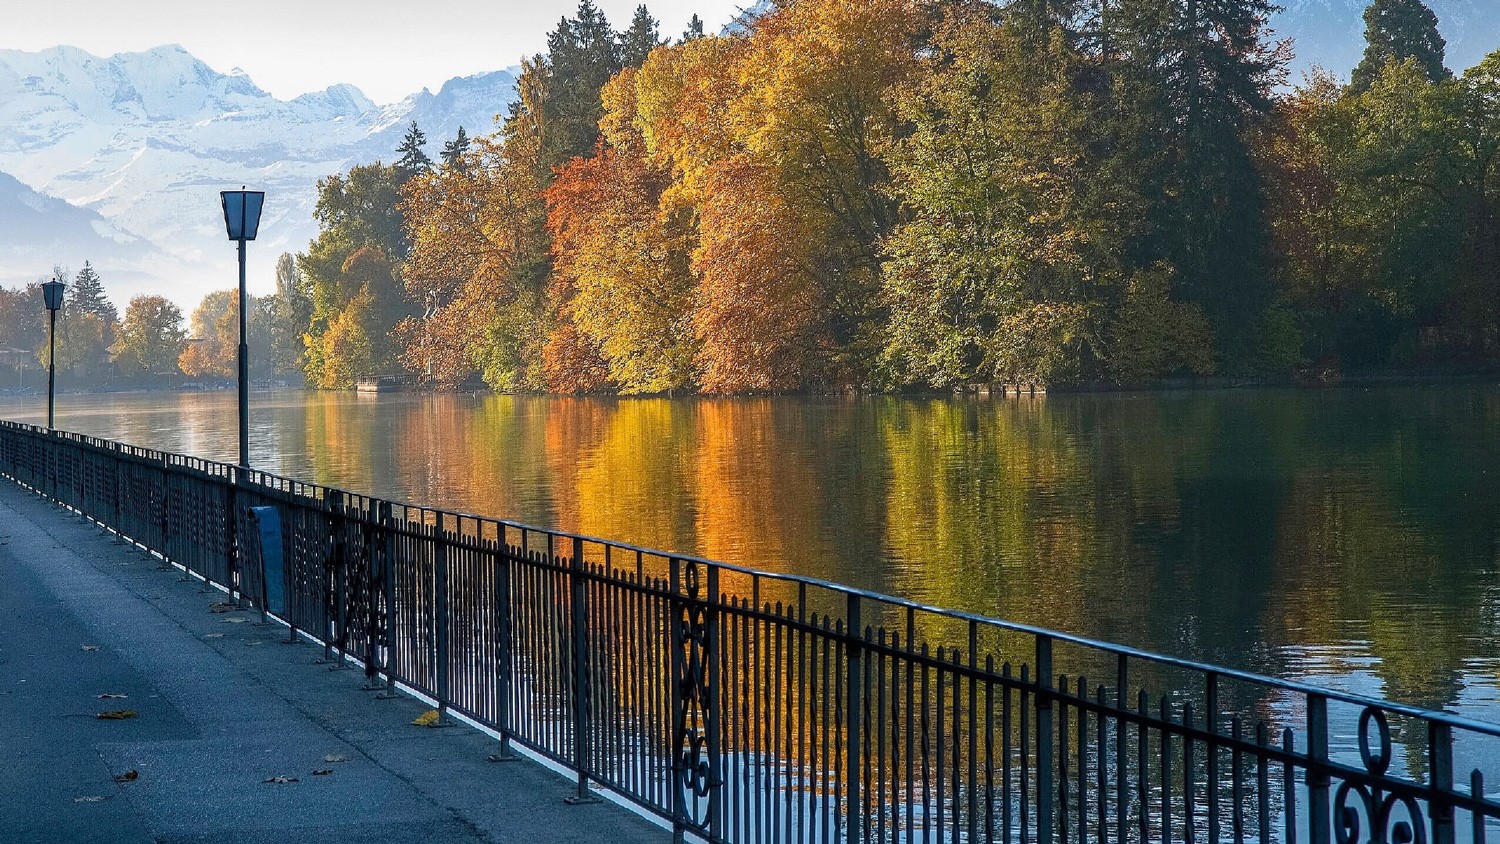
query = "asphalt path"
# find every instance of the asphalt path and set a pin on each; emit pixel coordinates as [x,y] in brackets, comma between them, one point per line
[90,624]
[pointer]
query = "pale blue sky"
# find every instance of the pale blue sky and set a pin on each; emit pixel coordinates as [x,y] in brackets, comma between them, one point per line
[288,47]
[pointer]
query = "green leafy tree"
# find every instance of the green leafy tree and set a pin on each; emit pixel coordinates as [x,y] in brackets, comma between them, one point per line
[1397,30]
[151,338]
[288,313]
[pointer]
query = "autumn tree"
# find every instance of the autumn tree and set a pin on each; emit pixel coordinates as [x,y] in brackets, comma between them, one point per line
[1397,30]
[212,345]
[151,337]
[621,259]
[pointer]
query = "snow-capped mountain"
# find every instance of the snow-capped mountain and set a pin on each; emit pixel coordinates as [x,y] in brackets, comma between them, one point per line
[147,140]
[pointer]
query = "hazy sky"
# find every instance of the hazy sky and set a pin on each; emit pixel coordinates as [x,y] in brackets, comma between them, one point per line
[289,47]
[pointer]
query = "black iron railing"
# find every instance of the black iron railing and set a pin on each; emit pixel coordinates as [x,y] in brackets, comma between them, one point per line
[748,706]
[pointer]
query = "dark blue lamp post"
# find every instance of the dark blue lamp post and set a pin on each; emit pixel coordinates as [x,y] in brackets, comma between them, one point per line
[242,220]
[52,296]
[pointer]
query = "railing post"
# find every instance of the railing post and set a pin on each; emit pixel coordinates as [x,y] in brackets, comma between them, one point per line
[231,506]
[854,694]
[576,576]
[332,571]
[1319,809]
[506,656]
[388,526]
[1440,765]
[440,615]
[1044,737]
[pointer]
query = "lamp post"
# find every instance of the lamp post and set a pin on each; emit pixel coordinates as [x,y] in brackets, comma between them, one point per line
[52,296]
[241,221]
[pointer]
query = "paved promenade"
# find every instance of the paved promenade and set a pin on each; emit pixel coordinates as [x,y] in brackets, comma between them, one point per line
[223,705]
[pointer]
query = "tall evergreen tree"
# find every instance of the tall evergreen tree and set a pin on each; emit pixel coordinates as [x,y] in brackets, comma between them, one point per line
[1196,78]
[637,42]
[583,53]
[1397,30]
[453,151]
[413,160]
[86,296]
[694,29]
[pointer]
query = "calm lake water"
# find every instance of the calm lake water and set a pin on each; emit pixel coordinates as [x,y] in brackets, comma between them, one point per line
[1347,537]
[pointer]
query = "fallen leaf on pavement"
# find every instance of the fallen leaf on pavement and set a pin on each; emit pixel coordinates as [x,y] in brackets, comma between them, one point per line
[213,635]
[117,715]
[112,696]
[235,620]
[221,606]
[89,799]
[426,719]
[129,776]
[334,757]
[280,780]
[91,647]
[322,772]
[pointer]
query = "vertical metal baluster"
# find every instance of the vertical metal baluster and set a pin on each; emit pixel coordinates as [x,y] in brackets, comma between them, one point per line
[956,801]
[924,712]
[900,724]
[1289,788]
[882,771]
[1062,760]
[1166,772]
[1024,751]
[507,678]
[940,738]
[1101,771]
[1440,774]
[1083,761]
[989,748]
[1211,781]
[440,609]
[1007,791]
[1142,772]
[973,802]
[911,725]
[1045,785]
[1263,782]
[1189,781]
[1236,781]
[1476,790]
[854,784]
[1317,777]
[711,647]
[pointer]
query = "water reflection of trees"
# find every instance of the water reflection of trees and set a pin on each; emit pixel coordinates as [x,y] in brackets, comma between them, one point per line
[1287,532]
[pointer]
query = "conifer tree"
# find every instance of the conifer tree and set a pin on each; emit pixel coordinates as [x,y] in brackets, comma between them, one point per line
[453,151]
[413,160]
[584,53]
[637,42]
[86,296]
[1397,30]
[694,30]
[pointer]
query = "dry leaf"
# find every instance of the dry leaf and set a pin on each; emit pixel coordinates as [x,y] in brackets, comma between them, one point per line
[129,776]
[427,719]
[280,779]
[91,647]
[323,772]
[117,715]
[89,799]
[334,757]
[221,606]
[235,620]
[213,635]
[112,696]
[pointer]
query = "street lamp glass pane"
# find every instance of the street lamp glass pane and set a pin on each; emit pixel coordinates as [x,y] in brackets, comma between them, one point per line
[242,213]
[52,294]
